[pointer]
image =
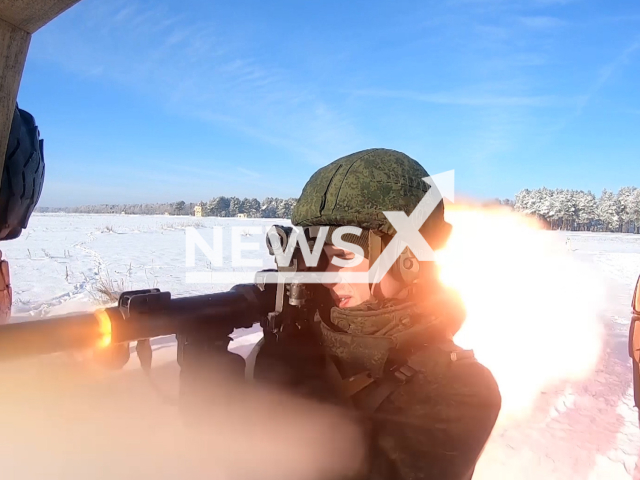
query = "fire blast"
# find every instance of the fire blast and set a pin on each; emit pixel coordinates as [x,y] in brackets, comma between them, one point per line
[532,306]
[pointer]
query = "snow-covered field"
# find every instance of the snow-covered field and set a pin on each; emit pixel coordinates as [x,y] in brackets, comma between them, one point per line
[70,254]
[589,429]
[578,430]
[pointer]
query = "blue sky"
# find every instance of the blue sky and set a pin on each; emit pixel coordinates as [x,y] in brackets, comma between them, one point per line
[163,100]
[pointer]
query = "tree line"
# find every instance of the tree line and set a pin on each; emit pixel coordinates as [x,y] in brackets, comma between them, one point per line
[577,210]
[559,209]
[216,207]
[270,207]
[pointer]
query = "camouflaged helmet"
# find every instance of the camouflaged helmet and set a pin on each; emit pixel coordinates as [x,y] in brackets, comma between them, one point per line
[355,191]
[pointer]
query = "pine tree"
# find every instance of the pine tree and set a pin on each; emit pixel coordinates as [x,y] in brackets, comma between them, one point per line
[235,206]
[635,210]
[269,208]
[217,207]
[587,206]
[607,210]
[179,207]
[625,207]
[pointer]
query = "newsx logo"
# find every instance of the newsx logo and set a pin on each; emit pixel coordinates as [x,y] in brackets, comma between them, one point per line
[407,235]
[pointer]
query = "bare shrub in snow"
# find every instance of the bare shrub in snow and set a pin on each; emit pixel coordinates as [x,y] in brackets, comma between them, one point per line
[108,290]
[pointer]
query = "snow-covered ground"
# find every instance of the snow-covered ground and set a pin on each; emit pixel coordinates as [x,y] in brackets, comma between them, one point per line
[589,429]
[70,254]
[579,430]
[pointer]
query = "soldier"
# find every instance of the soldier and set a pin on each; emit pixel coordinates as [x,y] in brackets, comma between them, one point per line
[428,406]
[22,181]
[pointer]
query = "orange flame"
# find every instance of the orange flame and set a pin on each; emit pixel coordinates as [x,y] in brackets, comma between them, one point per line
[104,327]
[532,306]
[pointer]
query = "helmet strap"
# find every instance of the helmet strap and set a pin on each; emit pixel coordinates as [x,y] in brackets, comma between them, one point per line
[375,249]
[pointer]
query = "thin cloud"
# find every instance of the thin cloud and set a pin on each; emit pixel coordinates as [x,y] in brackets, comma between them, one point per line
[604,75]
[493,32]
[207,177]
[251,173]
[606,72]
[186,64]
[479,100]
[554,2]
[527,59]
[620,18]
[540,22]
[512,4]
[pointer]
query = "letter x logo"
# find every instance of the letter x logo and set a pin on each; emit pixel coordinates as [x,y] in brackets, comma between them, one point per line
[407,227]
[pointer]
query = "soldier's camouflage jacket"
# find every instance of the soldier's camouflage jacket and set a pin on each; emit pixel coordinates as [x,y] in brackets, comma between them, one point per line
[427,405]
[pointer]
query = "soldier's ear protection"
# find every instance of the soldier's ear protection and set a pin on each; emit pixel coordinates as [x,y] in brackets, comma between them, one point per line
[406,268]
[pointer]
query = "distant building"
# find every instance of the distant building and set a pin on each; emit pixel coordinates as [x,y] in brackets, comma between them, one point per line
[241,215]
[198,210]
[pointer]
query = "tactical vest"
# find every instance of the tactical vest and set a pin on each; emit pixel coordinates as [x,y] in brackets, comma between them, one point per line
[369,352]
